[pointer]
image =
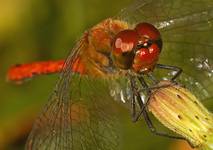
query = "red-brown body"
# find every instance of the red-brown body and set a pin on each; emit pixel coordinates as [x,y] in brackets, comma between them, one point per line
[96,41]
[110,48]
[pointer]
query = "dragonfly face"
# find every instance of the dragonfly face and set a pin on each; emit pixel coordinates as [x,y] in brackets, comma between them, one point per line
[137,49]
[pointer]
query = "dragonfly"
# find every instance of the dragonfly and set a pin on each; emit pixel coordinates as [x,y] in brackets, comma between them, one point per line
[120,58]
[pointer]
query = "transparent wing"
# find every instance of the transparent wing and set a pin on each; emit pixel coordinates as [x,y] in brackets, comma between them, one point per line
[167,14]
[186,28]
[78,116]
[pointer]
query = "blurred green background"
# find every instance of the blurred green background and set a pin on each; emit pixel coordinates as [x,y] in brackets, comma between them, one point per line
[33,30]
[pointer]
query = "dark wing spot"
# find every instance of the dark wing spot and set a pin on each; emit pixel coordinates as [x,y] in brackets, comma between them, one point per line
[195,102]
[179,96]
[179,116]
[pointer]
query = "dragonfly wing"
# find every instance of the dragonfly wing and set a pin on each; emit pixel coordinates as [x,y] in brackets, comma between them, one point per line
[190,48]
[78,116]
[167,14]
[186,29]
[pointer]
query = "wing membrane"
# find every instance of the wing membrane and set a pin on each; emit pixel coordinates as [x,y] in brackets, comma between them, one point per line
[79,115]
[168,14]
[82,121]
[186,28]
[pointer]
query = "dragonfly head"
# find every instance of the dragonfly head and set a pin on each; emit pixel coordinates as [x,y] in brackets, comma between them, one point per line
[137,49]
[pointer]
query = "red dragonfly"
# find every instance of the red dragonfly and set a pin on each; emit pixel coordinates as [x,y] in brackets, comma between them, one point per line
[117,59]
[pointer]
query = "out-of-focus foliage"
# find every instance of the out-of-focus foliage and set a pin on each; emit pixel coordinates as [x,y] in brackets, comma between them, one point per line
[32,30]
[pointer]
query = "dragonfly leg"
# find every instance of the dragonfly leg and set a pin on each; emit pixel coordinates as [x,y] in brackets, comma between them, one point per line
[136,94]
[133,113]
[133,100]
[173,68]
[150,124]
[148,90]
[134,116]
[153,87]
[143,112]
[154,130]
[140,102]
[152,78]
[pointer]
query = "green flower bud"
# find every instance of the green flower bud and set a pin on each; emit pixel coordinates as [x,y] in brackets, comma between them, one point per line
[180,111]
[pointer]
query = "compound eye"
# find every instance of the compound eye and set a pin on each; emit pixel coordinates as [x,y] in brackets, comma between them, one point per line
[146,58]
[148,31]
[125,41]
[123,46]
[148,55]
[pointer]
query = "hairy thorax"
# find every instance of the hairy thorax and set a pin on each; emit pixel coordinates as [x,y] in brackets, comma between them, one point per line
[95,57]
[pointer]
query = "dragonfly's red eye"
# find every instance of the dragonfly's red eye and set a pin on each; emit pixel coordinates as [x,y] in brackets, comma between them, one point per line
[123,46]
[148,55]
[147,30]
[125,41]
[148,48]
[146,58]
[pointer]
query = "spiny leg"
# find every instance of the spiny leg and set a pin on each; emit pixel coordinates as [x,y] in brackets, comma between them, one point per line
[173,68]
[153,128]
[136,97]
[155,81]
[152,78]
[148,91]
[133,100]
